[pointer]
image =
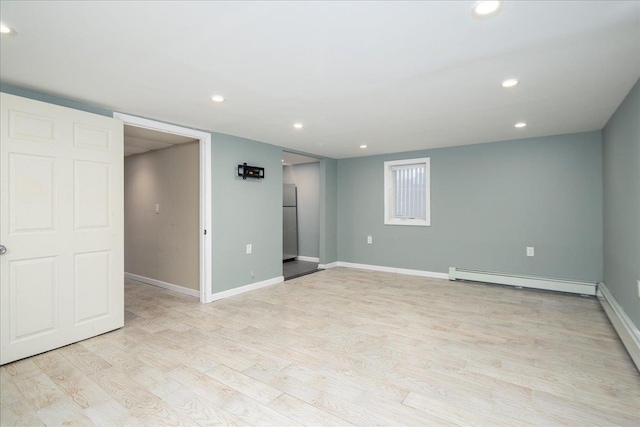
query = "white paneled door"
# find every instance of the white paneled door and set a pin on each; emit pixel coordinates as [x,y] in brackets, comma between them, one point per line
[61,222]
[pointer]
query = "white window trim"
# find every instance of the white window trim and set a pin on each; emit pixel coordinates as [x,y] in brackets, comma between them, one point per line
[389,219]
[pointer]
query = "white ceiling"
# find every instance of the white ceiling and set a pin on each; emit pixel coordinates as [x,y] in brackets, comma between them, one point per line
[396,76]
[296,159]
[140,140]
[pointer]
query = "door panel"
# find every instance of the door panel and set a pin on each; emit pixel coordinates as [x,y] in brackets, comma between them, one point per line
[31,127]
[61,219]
[91,285]
[90,137]
[34,287]
[32,192]
[91,196]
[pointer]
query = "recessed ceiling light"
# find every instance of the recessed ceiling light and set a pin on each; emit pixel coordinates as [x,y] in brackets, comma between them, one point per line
[363,146]
[484,9]
[5,29]
[298,125]
[510,83]
[217,98]
[520,124]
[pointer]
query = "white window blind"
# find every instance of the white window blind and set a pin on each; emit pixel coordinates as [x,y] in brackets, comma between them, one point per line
[409,189]
[407,192]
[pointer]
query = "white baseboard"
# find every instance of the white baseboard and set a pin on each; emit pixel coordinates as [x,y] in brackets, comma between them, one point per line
[164,285]
[246,288]
[326,266]
[409,272]
[627,331]
[307,258]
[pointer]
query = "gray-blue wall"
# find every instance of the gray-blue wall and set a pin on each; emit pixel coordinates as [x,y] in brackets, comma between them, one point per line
[621,161]
[328,211]
[488,202]
[245,211]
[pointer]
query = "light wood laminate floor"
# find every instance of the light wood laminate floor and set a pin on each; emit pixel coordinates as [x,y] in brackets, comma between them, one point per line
[339,347]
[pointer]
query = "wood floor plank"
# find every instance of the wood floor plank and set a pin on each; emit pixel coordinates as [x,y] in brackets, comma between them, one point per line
[204,385]
[245,384]
[584,414]
[22,368]
[256,414]
[9,393]
[305,414]
[191,406]
[142,404]
[441,409]
[111,413]
[63,413]
[285,383]
[75,384]
[83,359]
[39,390]
[19,413]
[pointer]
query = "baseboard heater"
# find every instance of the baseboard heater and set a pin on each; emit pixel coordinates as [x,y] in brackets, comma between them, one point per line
[549,284]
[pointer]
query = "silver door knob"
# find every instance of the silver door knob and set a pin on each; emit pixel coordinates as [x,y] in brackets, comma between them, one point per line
[3,249]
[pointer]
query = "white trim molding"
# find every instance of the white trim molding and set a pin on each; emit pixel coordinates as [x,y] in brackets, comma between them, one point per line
[545,283]
[627,331]
[246,288]
[206,223]
[307,258]
[156,125]
[161,284]
[421,273]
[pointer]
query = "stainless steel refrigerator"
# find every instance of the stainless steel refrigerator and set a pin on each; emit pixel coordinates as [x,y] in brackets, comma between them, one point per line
[289,222]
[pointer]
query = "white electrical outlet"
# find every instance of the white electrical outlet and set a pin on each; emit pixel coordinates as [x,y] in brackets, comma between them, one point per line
[531,251]
[369,240]
[249,248]
[157,208]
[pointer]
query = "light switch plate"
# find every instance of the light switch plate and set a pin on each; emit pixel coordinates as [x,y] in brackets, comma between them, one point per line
[369,240]
[530,251]
[249,248]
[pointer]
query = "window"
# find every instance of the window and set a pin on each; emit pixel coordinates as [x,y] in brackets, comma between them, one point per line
[406,192]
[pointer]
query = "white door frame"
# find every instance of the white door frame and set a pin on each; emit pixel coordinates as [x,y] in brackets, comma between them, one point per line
[206,264]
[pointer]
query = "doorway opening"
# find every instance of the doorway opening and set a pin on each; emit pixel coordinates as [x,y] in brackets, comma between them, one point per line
[300,214]
[168,206]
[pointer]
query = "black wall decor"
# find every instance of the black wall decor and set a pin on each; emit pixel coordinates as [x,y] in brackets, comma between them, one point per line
[246,171]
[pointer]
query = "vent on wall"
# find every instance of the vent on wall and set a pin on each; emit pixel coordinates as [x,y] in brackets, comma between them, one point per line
[549,284]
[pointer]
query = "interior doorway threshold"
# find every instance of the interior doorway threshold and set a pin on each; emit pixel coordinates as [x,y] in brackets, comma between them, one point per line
[306,273]
[298,268]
